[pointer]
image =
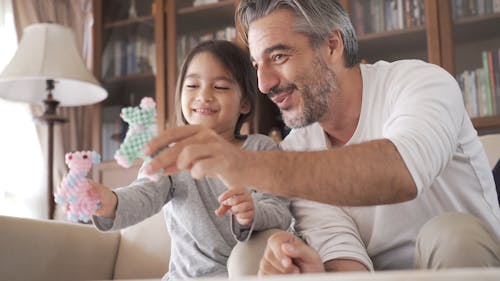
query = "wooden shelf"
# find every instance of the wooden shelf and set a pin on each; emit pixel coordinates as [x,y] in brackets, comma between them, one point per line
[119,88]
[435,42]
[206,17]
[378,45]
[473,28]
[137,76]
[147,20]
[206,9]
[486,122]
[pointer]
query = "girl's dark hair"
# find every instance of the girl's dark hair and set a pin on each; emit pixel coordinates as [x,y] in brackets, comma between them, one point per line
[237,62]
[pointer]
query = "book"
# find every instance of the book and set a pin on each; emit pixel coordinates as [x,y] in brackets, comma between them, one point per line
[492,83]
[496,71]
[486,93]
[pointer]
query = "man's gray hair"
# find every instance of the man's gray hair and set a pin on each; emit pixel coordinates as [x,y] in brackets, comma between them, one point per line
[317,19]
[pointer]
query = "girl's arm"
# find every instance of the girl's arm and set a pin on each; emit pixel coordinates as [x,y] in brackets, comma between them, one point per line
[136,202]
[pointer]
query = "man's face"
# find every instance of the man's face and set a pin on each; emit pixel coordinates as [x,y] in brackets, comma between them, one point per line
[293,74]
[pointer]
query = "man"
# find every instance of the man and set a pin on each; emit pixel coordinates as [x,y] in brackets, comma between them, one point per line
[395,140]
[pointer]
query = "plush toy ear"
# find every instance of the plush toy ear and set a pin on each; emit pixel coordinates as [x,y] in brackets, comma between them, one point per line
[96,158]
[68,157]
[147,103]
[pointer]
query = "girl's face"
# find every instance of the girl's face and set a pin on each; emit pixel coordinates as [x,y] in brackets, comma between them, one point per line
[210,96]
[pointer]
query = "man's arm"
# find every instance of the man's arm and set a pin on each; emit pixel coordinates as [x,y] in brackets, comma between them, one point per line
[369,173]
[338,265]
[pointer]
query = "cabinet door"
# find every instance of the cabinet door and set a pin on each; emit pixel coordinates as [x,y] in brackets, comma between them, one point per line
[474,50]
[195,21]
[390,29]
[125,49]
[187,24]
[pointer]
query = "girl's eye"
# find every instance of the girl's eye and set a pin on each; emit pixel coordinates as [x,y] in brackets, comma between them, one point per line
[191,86]
[221,88]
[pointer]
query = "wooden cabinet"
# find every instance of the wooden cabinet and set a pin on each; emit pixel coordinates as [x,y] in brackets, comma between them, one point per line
[422,29]
[189,25]
[129,61]
[449,33]
[472,38]
[186,26]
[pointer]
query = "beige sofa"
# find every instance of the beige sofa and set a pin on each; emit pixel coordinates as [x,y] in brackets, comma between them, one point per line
[49,250]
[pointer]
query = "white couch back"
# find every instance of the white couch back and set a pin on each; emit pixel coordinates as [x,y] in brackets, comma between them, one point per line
[491,144]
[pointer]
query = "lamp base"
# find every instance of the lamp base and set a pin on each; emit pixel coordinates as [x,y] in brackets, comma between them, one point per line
[50,117]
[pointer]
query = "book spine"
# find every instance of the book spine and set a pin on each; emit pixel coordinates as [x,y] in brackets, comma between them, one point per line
[492,84]
[496,70]
[486,83]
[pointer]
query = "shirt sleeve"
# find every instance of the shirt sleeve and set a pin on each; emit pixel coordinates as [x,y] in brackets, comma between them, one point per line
[136,202]
[330,231]
[270,212]
[426,114]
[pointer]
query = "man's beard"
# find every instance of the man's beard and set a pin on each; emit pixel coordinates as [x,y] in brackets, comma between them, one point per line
[319,86]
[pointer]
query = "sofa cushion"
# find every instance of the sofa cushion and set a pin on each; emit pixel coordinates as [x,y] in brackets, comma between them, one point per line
[50,250]
[491,145]
[144,250]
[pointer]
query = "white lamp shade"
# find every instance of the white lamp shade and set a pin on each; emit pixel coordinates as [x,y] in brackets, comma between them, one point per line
[48,51]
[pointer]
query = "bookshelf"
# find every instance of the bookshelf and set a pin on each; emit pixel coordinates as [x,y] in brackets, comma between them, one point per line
[190,25]
[426,29]
[473,37]
[450,33]
[129,61]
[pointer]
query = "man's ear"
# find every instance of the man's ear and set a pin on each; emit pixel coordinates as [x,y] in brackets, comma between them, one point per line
[335,45]
[245,107]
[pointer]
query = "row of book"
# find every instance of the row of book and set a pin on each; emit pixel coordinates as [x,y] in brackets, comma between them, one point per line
[481,87]
[127,57]
[470,8]
[186,42]
[372,16]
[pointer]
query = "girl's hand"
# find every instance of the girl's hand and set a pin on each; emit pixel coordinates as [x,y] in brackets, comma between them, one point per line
[286,254]
[108,200]
[239,202]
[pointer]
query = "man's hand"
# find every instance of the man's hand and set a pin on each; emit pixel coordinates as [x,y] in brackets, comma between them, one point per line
[286,253]
[108,200]
[239,202]
[198,149]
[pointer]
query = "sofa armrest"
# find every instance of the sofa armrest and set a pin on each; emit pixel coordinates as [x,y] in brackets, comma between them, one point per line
[48,250]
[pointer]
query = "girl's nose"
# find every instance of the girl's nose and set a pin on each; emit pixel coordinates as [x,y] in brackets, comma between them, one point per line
[205,94]
[267,78]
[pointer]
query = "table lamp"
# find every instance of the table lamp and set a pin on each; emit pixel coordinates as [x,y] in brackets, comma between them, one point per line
[48,68]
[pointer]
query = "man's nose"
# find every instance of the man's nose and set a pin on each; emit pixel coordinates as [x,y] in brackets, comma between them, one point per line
[267,78]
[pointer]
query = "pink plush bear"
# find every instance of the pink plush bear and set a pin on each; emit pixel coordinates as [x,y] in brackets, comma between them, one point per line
[75,189]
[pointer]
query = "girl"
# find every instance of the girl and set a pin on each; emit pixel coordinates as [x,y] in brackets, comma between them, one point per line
[205,219]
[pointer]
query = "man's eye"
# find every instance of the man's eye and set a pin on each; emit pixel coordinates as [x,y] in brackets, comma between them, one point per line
[278,57]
